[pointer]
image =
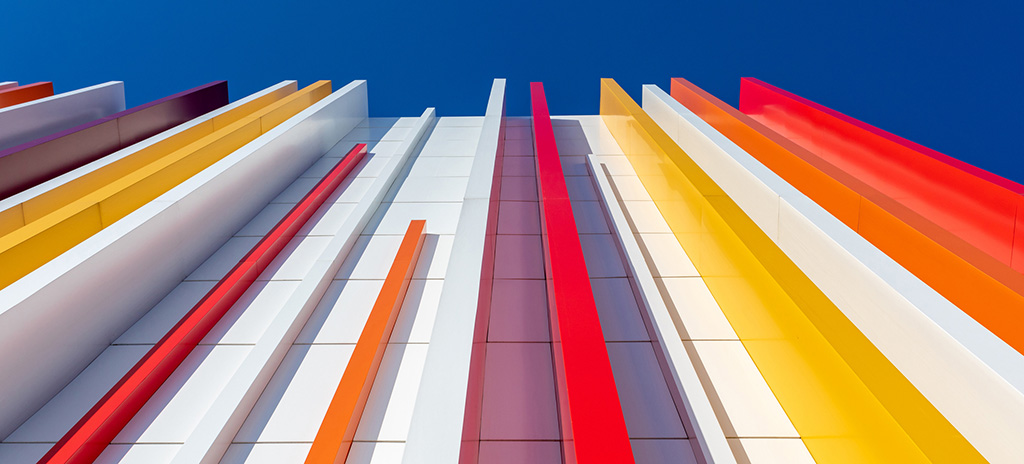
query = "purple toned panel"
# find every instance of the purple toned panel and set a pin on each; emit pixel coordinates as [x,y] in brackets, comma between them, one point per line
[616,306]
[142,122]
[646,401]
[519,188]
[34,162]
[519,393]
[518,166]
[518,257]
[601,253]
[519,312]
[519,452]
[590,217]
[663,452]
[518,218]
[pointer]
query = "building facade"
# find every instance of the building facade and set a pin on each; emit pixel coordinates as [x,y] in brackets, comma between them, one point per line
[283,278]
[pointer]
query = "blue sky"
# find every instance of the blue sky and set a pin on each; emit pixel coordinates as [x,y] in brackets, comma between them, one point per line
[938,73]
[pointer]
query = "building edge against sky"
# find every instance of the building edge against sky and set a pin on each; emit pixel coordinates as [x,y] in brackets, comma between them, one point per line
[285,279]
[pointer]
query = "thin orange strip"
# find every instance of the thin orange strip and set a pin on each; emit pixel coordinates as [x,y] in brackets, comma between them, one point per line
[334,439]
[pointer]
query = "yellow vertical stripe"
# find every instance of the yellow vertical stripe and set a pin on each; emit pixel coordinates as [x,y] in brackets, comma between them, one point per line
[65,225]
[846,400]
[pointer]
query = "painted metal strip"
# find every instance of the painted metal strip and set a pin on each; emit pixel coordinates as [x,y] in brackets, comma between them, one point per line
[682,374]
[32,120]
[111,279]
[334,438]
[590,413]
[973,204]
[806,349]
[215,430]
[25,249]
[8,85]
[31,163]
[470,449]
[90,436]
[25,93]
[987,290]
[436,431]
[910,323]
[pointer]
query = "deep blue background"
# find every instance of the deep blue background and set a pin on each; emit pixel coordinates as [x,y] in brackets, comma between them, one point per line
[944,75]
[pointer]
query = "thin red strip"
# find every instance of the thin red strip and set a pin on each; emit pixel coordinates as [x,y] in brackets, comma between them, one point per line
[590,413]
[91,435]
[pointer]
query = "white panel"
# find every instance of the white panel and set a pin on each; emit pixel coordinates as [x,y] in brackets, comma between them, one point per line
[216,430]
[389,408]
[266,453]
[77,398]
[435,432]
[147,453]
[88,296]
[920,332]
[177,405]
[38,118]
[751,407]
[296,400]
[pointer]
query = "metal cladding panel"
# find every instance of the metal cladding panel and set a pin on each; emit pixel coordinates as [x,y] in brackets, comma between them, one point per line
[90,436]
[31,163]
[808,352]
[911,324]
[29,121]
[973,204]
[987,290]
[590,412]
[111,276]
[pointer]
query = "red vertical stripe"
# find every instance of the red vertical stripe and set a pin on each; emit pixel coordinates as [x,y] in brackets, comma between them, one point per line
[91,435]
[590,413]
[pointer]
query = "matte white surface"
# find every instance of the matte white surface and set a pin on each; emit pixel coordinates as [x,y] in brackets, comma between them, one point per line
[30,120]
[220,424]
[920,332]
[435,431]
[89,295]
[295,401]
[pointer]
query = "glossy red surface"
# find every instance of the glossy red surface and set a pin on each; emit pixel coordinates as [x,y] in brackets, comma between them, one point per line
[91,435]
[592,424]
[971,203]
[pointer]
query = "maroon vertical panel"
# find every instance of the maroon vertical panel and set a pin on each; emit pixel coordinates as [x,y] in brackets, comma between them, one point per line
[35,162]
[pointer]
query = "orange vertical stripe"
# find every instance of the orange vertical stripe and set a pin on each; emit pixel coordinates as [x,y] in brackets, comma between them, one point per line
[334,439]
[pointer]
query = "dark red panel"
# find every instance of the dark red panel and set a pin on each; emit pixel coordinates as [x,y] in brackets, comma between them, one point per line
[90,436]
[31,163]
